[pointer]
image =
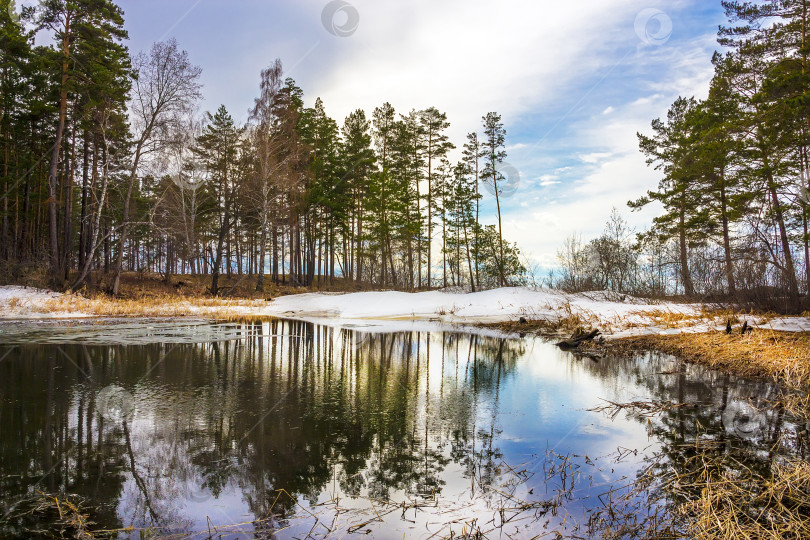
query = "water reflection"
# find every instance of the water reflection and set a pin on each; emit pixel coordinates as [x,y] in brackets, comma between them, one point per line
[289,428]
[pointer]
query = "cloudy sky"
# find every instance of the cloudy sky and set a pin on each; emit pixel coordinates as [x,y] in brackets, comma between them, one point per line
[574,81]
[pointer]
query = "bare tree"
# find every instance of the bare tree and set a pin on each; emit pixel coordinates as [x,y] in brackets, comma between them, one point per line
[165,88]
[265,145]
[275,145]
[104,120]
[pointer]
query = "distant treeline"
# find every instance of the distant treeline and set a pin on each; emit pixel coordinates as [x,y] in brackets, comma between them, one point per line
[735,175]
[105,165]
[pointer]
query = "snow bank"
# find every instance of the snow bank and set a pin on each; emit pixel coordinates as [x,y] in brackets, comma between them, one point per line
[496,305]
[614,314]
[28,303]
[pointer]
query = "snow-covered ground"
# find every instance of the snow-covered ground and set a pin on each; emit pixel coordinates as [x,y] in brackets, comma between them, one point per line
[497,305]
[615,314]
[27,303]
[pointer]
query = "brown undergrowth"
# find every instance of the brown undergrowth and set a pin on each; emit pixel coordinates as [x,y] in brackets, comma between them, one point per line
[782,356]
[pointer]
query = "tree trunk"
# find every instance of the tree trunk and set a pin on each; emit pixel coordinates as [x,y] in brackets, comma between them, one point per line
[500,229]
[260,269]
[732,289]
[52,174]
[223,232]
[83,226]
[789,271]
[122,239]
[686,277]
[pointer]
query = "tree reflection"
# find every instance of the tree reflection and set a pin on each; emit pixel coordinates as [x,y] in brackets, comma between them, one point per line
[704,439]
[290,405]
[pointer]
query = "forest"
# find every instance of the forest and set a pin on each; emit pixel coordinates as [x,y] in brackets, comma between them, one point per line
[109,167]
[734,178]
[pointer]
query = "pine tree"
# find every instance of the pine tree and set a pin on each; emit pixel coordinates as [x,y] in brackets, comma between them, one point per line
[472,153]
[218,150]
[384,134]
[406,174]
[770,65]
[321,135]
[358,161]
[670,150]
[84,30]
[436,145]
[493,153]
[716,152]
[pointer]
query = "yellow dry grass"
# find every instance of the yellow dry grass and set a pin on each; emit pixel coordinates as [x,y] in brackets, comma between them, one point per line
[152,306]
[784,356]
[742,504]
[676,319]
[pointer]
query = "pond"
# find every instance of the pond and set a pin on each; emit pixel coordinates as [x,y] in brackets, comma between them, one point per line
[286,429]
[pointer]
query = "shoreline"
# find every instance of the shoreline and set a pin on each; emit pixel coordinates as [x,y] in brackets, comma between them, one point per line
[762,352]
[776,348]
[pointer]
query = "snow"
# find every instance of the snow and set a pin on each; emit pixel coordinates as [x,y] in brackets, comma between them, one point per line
[18,302]
[488,306]
[25,294]
[616,315]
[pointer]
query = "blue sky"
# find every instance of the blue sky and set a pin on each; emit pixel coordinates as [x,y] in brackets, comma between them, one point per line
[573,80]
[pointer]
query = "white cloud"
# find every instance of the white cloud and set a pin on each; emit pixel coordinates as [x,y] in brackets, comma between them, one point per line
[518,146]
[548,180]
[467,57]
[594,157]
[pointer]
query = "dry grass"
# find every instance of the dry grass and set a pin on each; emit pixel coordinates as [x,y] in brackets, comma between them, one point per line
[741,504]
[675,319]
[784,356]
[563,323]
[46,515]
[152,306]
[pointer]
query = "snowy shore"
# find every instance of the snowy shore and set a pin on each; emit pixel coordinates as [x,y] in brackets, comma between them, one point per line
[617,315]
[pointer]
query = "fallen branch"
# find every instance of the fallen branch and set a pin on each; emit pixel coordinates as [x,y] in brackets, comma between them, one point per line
[577,338]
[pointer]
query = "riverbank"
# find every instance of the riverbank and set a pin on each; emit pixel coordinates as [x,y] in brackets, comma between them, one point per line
[612,312]
[777,347]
